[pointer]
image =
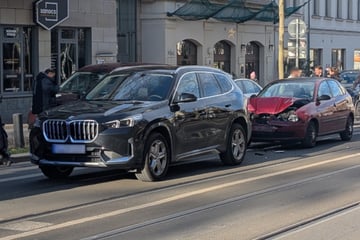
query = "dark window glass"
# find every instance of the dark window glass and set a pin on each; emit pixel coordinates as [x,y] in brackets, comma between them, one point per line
[189,84]
[224,82]
[250,87]
[68,34]
[186,52]
[209,85]
[324,89]
[12,67]
[335,88]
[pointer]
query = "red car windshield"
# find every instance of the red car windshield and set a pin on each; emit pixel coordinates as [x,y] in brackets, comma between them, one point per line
[295,89]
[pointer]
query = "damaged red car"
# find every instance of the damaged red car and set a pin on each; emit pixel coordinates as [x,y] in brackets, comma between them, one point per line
[300,110]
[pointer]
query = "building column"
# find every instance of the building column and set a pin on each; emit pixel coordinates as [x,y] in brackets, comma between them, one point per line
[44,49]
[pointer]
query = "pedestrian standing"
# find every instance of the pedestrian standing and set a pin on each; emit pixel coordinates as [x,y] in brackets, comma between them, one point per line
[4,153]
[295,73]
[318,71]
[253,76]
[334,73]
[44,91]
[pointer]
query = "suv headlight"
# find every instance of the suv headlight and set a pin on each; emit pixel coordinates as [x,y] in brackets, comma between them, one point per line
[126,122]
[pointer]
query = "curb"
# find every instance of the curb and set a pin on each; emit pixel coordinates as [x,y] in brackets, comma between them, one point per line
[21,157]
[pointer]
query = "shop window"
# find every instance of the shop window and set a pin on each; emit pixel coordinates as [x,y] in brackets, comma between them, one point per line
[17,59]
[338,58]
[70,50]
[186,53]
[315,57]
[357,59]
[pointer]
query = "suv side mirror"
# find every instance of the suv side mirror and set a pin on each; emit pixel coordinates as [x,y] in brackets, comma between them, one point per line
[324,98]
[187,97]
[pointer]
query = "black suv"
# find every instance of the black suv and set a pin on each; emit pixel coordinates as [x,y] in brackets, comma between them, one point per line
[143,121]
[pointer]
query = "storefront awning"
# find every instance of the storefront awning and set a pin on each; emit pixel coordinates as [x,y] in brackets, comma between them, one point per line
[196,10]
[235,11]
[270,12]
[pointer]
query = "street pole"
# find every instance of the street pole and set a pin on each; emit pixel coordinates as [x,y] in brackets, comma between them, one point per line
[281,39]
[308,39]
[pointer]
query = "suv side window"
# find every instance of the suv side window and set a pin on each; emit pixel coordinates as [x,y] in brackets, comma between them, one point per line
[189,84]
[224,82]
[324,89]
[209,85]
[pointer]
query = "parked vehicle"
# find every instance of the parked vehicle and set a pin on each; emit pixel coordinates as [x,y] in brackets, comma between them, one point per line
[143,121]
[301,110]
[248,86]
[85,79]
[348,78]
[79,83]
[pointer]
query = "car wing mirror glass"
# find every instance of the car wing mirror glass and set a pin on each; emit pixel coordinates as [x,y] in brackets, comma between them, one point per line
[324,98]
[186,97]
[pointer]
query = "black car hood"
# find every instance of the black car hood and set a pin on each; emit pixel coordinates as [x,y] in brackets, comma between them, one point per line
[100,109]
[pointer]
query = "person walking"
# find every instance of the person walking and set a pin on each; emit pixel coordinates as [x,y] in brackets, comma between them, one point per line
[44,91]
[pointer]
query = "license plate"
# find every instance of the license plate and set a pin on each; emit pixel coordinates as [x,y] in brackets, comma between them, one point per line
[68,148]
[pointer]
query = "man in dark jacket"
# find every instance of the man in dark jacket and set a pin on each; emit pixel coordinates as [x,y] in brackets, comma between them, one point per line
[44,93]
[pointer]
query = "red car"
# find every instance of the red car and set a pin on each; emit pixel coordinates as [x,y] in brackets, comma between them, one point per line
[301,110]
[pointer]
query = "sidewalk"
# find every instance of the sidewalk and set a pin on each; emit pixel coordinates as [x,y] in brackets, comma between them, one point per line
[21,157]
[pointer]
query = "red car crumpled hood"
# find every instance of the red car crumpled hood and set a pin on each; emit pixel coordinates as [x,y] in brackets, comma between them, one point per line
[269,105]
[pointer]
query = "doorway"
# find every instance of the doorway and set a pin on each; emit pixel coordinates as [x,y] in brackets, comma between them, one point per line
[222,56]
[252,59]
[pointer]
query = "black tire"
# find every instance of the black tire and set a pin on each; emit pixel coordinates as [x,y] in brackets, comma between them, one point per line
[357,110]
[310,137]
[56,172]
[347,134]
[156,159]
[236,146]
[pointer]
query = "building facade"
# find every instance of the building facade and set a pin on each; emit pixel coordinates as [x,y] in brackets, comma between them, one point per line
[87,36]
[333,27]
[99,31]
[236,48]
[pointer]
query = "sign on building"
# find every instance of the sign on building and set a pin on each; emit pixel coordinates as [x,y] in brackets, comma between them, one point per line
[50,13]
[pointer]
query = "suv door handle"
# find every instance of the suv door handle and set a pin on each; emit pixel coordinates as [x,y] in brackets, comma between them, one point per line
[228,105]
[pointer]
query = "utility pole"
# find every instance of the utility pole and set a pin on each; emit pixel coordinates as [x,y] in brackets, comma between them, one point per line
[281,39]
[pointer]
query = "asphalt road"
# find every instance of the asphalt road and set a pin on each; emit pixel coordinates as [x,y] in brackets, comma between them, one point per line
[279,192]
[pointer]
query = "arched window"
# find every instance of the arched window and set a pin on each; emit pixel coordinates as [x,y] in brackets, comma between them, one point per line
[222,56]
[186,52]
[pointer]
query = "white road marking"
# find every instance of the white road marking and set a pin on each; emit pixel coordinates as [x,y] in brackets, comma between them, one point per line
[25,226]
[169,199]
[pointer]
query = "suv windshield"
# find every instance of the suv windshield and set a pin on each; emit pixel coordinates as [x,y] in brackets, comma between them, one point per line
[80,82]
[140,86]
